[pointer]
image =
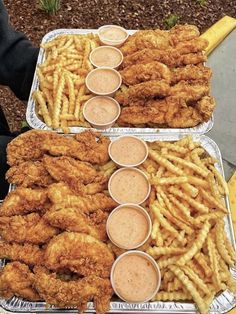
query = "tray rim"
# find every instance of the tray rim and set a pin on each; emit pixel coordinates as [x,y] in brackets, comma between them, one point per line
[35,123]
[150,307]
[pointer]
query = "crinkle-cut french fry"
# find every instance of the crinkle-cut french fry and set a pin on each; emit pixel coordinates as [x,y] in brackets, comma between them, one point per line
[191,288]
[170,181]
[40,75]
[172,296]
[79,123]
[213,186]
[201,208]
[196,268]
[176,285]
[164,222]
[190,189]
[180,224]
[198,182]
[197,169]
[79,82]
[64,111]
[38,96]
[164,162]
[55,82]
[194,277]
[209,161]
[167,261]
[220,244]
[86,53]
[199,151]
[46,84]
[73,67]
[49,97]
[220,179]
[67,44]
[200,258]
[184,210]
[67,117]
[196,159]
[210,216]
[70,85]
[155,226]
[229,247]
[78,101]
[58,101]
[173,147]
[214,262]
[211,200]
[156,251]
[196,246]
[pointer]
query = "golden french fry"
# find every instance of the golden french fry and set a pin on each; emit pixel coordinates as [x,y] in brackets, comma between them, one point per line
[58,100]
[38,96]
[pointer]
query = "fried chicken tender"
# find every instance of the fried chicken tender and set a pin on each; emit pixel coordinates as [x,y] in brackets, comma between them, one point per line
[30,228]
[79,253]
[17,279]
[26,253]
[184,32]
[73,293]
[24,200]
[191,73]
[87,146]
[60,193]
[190,91]
[32,145]
[75,173]
[172,111]
[139,73]
[28,146]
[171,57]
[29,174]
[195,45]
[72,219]
[145,90]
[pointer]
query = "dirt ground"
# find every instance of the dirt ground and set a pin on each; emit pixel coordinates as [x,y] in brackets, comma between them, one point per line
[27,17]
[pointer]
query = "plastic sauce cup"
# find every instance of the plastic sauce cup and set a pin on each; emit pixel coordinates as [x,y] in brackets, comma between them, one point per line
[106,56]
[112,35]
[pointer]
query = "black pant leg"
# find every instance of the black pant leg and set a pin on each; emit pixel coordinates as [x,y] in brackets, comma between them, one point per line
[4,140]
[4,128]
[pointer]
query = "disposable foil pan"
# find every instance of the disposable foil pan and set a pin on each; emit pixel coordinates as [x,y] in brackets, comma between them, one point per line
[36,123]
[223,303]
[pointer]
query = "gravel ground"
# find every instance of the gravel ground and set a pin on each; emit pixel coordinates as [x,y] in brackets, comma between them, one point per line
[26,16]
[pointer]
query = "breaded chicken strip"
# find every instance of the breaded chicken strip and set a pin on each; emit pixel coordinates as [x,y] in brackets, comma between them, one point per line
[24,200]
[139,73]
[173,112]
[191,73]
[190,91]
[79,253]
[60,193]
[17,279]
[73,219]
[30,228]
[32,145]
[172,57]
[26,253]
[142,91]
[73,293]
[29,174]
[184,32]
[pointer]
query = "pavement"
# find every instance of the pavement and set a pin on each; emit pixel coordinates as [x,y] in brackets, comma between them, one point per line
[223,63]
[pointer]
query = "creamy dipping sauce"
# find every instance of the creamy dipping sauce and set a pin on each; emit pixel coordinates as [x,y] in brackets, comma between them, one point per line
[103,81]
[113,33]
[106,57]
[129,185]
[101,110]
[128,151]
[135,278]
[128,227]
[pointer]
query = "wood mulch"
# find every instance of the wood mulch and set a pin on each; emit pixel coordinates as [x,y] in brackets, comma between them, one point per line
[27,17]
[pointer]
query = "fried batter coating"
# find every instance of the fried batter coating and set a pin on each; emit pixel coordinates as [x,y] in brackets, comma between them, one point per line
[72,219]
[30,228]
[139,73]
[184,32]
[195,45]
[173,112]
[190,91]
[60,193]
[79,253]
[26,253]
[24,200]
[191,73]
[28,146]
[17,279]
[86,146]
[145,90]
[29,174]
[75,292]
[32,145]
[172,57]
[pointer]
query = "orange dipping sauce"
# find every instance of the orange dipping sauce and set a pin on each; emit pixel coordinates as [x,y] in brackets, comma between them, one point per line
[134,277]
[128,151]
[106,56]
[129,185]
[128,226]
[113,33]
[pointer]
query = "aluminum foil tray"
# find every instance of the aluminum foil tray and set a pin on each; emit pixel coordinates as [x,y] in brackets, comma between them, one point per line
[221,304]
[36,123]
